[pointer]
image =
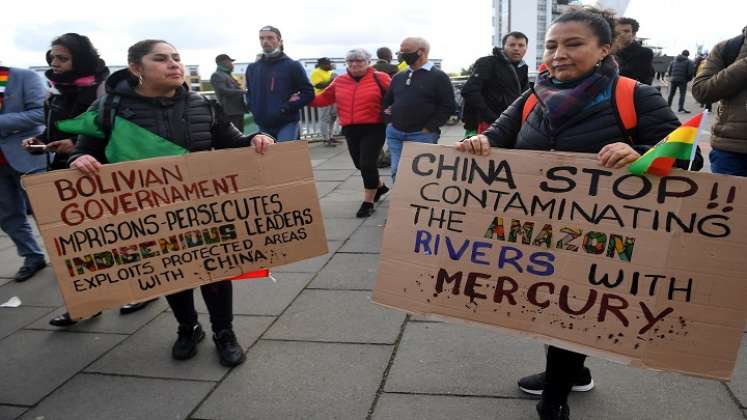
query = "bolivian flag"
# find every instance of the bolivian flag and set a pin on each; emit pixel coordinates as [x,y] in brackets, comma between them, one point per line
[679,144]
[128,141]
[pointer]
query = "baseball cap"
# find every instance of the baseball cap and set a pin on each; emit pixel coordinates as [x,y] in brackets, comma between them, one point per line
[271,29]
[221,57]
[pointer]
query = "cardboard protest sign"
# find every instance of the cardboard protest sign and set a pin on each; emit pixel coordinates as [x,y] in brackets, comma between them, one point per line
[643,270]
[153,227]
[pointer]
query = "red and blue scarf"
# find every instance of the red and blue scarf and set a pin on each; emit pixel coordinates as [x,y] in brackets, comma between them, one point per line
[563,100]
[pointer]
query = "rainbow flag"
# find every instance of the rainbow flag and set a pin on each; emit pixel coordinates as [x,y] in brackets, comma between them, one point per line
[679,144]
[4,74]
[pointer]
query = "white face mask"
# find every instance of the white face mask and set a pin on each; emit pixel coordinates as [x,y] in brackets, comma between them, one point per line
[274,52]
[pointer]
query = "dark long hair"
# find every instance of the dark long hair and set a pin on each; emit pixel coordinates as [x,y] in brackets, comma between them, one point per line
[86,60]
[599,21]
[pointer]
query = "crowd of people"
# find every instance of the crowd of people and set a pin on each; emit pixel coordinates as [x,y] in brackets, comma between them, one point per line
[589,55]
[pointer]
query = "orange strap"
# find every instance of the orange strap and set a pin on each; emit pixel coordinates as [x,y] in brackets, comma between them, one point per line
[624,102]
[529,105]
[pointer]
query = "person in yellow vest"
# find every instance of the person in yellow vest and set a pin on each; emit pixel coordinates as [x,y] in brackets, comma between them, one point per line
[321,77]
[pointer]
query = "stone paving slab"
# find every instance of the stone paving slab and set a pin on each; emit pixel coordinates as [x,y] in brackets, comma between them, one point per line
[332,174]
[440,407]
[108,322]
[366,239]
[337,316]
[738,383]
[11,262]
[623,392]
[381,210]
[8,412]
[336,163]
[348,272]
[13,319]
[263,296]
[340,229]
[97,397]
[457,359]
[40,290]
[37,362]
[148,352]
[325,187]
[312,265]
[341,207]
[297,380]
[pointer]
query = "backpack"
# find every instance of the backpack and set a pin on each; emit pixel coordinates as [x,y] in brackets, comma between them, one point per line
[731,50]
[624,104]
[109,109]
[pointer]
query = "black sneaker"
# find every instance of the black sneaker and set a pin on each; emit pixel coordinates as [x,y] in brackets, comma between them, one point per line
[553,411]
[366,210]
[186,343]
[29,268]
[534,384]
[228,347]
[684,111]
[383,189]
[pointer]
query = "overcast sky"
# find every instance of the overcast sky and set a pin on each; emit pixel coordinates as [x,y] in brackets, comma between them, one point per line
[459,31]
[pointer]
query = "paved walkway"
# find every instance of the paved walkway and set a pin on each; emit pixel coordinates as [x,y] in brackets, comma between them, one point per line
[317,349]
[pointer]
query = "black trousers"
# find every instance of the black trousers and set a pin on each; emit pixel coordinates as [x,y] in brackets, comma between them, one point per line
[218,298]
[562,368]
[364,144]
[673,87]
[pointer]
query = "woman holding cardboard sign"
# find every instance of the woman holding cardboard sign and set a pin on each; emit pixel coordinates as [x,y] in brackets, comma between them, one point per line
[157,116]
[578,104]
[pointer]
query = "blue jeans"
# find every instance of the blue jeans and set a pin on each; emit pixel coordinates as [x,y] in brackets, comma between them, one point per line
[395,139]
[283,133]
[728,163]
[13,219]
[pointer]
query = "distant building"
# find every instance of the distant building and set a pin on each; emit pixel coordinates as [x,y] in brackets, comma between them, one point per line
[531,17]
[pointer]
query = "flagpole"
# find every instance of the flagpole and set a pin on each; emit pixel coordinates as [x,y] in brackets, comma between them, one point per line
[706,116]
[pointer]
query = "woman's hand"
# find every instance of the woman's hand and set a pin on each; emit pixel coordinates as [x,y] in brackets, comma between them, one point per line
[65,146]
[261,142]
[28,142]
[617,155]
[86,164]
[477,145]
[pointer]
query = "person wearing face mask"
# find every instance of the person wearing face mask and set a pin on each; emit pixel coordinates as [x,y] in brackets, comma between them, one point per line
[151,93]
[496,81]
[575,112]
[277,88]
[419,100]
[77,77]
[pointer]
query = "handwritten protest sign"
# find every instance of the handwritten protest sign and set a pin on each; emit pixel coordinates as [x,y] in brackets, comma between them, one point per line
[643,270]
[148,228]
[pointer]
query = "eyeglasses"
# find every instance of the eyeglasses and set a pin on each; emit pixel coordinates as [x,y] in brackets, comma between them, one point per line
[356,60]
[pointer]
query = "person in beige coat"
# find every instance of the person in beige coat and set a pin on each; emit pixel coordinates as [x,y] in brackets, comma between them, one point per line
[723,79]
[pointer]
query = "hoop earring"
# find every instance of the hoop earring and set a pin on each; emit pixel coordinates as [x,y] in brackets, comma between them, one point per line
[139,80]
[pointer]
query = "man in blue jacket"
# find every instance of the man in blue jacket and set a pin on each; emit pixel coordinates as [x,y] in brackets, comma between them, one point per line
[277,88]
[22,96]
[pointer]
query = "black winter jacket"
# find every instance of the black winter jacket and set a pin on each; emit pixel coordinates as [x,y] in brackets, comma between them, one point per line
[493,85]
[681,69]
[186,119]
[636,62]
[590,130]
[65,102]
